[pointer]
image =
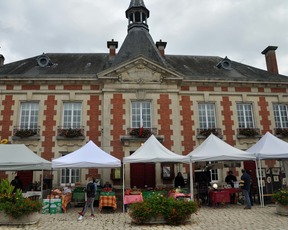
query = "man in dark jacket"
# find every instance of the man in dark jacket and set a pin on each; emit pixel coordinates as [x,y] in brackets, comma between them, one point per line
[90,194]
[245,186]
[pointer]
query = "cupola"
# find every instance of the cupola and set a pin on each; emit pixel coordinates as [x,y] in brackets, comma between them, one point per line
[137,15]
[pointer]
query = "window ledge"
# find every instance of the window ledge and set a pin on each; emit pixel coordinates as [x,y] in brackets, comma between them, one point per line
[36,138]
[70,138]
[248,137]
[127,139]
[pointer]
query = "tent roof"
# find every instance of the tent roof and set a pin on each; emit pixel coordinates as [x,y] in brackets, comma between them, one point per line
[215,149]
[153,151]
[88,156]
[17,157]
[270,147]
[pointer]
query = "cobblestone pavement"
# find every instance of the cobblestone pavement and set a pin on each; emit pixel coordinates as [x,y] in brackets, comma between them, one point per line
[225,217]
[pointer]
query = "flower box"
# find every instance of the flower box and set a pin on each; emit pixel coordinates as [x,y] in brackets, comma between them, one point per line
[141,132]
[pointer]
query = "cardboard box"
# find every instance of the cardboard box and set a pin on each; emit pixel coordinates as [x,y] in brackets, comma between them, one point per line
[55,206]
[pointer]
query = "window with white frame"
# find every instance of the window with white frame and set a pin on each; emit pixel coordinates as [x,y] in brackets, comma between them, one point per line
[141,114]
[245,115]
[70,176]
[214,173]
[280,115]
[29,115]
[207,116]
[72,115]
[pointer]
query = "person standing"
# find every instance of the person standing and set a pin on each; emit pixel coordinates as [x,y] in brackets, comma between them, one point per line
[90,194]
[179,181]
[230,179]
[245,186]
[17,183]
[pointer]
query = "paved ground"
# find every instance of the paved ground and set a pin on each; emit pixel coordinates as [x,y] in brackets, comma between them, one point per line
[224,218]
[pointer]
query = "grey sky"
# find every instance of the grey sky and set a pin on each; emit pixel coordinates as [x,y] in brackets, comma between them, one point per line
[239,29]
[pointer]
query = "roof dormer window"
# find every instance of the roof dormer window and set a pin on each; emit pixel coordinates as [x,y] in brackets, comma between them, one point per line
[44,61]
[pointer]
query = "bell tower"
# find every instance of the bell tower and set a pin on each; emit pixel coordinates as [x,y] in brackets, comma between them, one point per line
[137,15]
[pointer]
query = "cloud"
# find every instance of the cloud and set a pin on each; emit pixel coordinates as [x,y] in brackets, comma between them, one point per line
[239,29]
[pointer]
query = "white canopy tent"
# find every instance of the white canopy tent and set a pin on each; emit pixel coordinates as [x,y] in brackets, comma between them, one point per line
[17,157]
[88,156]
[269,147]
[215,149]
[152,151]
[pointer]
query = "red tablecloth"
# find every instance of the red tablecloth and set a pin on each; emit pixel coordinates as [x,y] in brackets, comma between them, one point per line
[219,197]
[129,199]
[107,201]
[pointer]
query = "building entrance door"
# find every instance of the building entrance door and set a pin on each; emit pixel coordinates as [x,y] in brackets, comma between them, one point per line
[142,175]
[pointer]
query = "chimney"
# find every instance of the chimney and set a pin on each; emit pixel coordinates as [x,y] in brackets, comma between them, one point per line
[2,59]
[161,47]
[270,57]
[112,46]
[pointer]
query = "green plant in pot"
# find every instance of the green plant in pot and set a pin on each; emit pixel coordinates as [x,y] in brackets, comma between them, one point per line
[281,197]
[14,204]
[174,212]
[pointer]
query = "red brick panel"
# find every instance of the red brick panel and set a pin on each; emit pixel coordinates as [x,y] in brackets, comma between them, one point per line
[187,123]
[7,113]
[93,121]
[264,115]
[205,88]
[165,121]
[242,89]
[72,87]
[49,123]
[278,90]
[30,87]
[228,121]
[117,123]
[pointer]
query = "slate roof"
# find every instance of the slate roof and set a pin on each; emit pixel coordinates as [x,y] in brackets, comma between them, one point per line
[138,42]
[191,67]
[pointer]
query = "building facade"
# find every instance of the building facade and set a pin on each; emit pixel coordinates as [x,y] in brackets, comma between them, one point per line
[56,102]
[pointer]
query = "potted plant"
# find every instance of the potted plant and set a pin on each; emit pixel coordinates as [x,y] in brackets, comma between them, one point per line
[161,209]
[141,132]
[207,132]
[281,198]
[248,132]
[14,208]
[70,133]
[22,133]
[282,132]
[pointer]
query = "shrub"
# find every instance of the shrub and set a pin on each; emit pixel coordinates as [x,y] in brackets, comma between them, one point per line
[14,204]
[174,211]
[281,196]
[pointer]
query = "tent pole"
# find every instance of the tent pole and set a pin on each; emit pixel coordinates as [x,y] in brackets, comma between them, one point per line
[258,182]
[123,183]
[261,183]
[191,181]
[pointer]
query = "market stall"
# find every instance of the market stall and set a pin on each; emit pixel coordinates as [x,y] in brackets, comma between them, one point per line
[215,149]
[269,147]
[88,156]
[152,151]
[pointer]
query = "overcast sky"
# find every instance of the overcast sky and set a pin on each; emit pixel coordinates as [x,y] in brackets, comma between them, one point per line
[238,29]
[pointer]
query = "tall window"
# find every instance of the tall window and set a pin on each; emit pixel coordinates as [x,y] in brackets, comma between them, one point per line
[245,116]
[141,114]
[207,117]
[280,115]
[29,115]
[72,115]
[70,176]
